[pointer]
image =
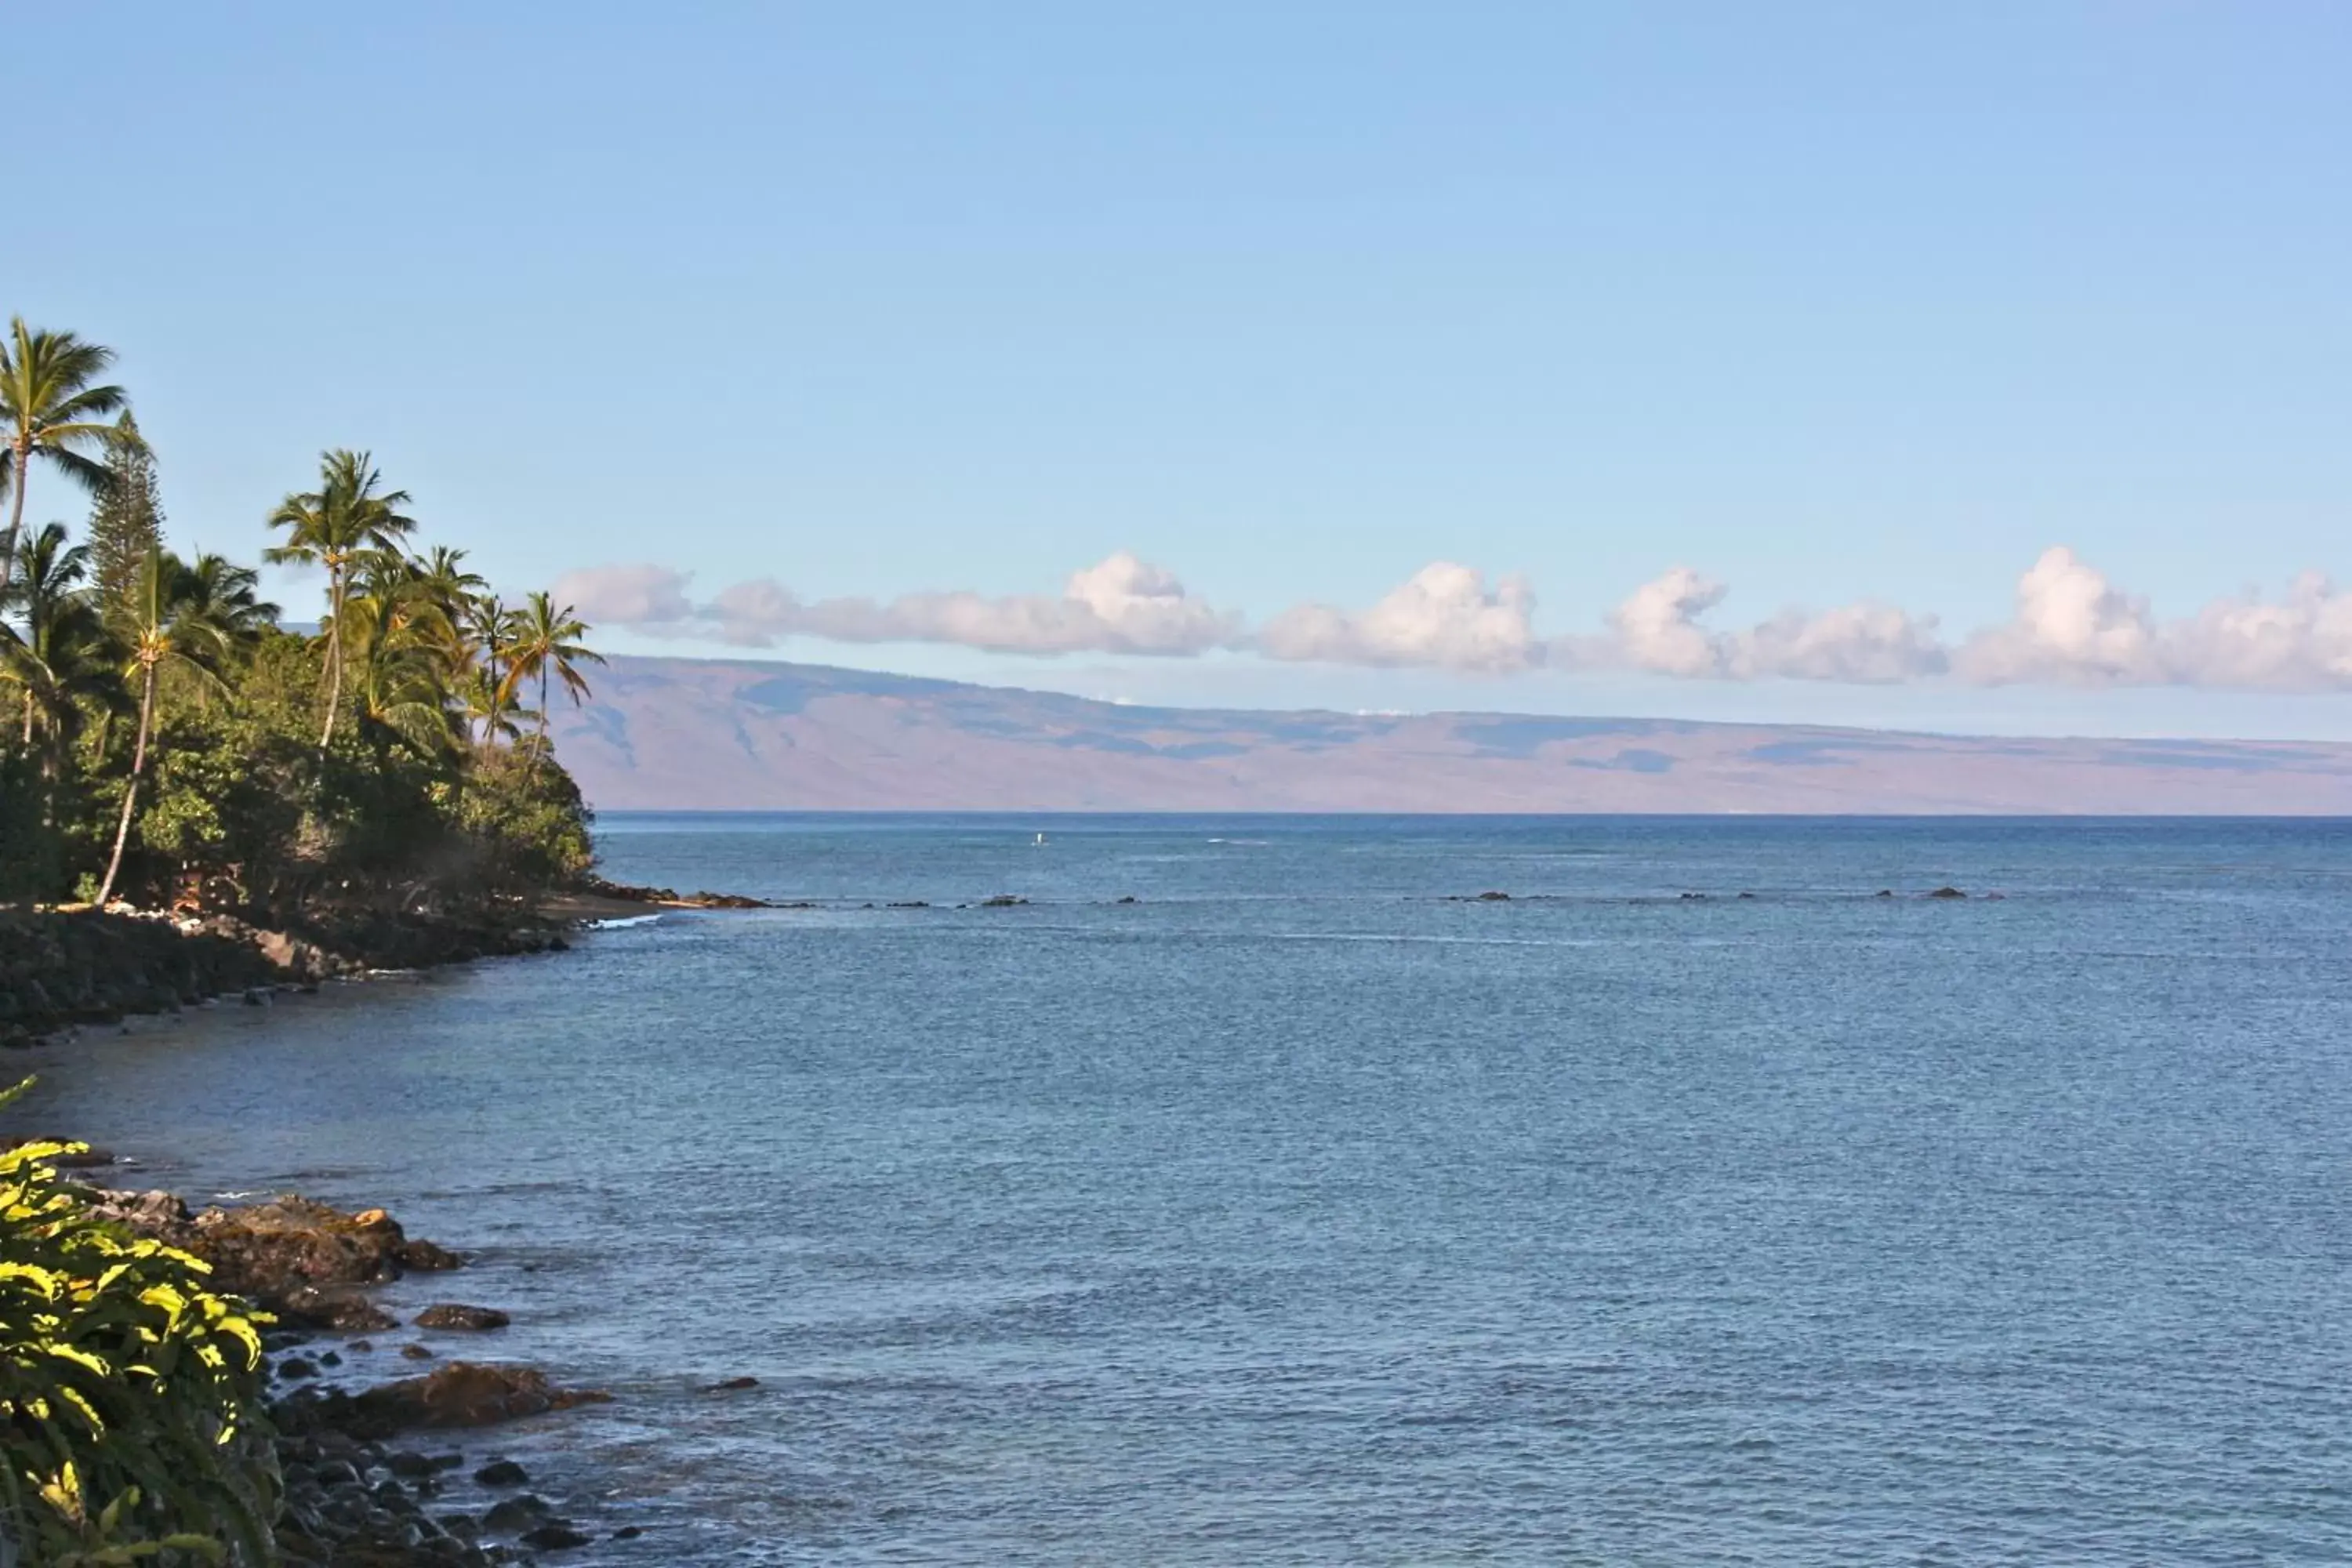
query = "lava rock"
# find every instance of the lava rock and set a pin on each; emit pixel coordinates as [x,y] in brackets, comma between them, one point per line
[468,1394]
[426,1259]
[1947,893]
[501,1473]
[732,1385]
[452,1315]
[341,1308]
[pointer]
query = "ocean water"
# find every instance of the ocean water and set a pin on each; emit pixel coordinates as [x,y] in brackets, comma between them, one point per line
[1299,1212]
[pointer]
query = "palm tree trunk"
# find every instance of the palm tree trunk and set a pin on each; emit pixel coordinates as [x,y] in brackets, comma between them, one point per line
[130,795]
[16,513]
[498,705]
[542,710]
[334,654]
[28,716]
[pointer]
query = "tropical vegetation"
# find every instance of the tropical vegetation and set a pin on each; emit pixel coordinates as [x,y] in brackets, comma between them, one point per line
[129,1391]
[168,739]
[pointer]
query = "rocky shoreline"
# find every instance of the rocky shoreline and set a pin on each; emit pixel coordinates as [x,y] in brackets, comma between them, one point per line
[64,969]
[367,1475]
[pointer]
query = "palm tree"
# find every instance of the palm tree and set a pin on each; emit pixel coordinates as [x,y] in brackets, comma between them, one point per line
[488,626]
[60,657]
[176,618]
[228,595]
[223,594]
[335,526]
[401,685]
[445,572]
[489,705]
[51,410]
[542,643]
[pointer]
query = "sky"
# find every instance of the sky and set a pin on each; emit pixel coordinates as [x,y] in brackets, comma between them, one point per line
[1982,367]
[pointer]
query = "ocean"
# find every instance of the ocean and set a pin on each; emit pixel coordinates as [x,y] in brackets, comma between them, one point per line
[1311,1209]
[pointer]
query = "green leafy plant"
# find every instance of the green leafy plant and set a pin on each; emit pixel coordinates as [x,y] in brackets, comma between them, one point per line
[129,1392]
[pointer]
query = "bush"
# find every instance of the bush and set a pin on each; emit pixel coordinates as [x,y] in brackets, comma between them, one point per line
[524,817]
[130,1393]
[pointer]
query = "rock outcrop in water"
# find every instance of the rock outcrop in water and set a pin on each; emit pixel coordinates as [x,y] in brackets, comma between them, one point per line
[351,1498]
[299,1258]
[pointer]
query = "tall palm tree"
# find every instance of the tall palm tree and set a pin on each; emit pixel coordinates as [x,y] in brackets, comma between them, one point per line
[543,642]
[58,657]
[171,622]
[488,627]
[335,526]
[49,408]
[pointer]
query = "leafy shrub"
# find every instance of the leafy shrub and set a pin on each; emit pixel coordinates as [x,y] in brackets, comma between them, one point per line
[526,823]
[130,1393]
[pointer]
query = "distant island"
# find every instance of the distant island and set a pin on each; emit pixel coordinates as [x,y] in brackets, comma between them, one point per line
[744,734]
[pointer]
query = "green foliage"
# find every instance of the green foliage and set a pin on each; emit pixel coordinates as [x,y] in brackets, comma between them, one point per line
[50,410]
[130,1393]
[126,521]
[163,740]
[524,816]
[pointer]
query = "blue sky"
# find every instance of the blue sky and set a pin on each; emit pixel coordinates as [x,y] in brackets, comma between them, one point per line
[1827,302]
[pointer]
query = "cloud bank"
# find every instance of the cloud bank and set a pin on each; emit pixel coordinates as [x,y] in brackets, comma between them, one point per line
[2070,626]
[1119,605]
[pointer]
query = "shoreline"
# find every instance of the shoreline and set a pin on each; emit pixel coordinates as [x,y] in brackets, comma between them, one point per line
[70,968]
[64,970]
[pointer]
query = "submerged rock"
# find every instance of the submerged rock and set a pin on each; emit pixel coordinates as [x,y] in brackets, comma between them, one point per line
[424,1257]
[501,1473]
[1948,892]
[556,1537]
[339,1307]
[452,1315]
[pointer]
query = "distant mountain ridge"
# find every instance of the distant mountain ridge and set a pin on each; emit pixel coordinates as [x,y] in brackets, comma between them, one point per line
[743,734]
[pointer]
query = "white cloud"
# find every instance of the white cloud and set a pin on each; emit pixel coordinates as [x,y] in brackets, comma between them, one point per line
[2301,644]
[1120,605]
[639,595]
[1864,644]
[1657,626]
[2072,625]
[1444,616]
[1657,629]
